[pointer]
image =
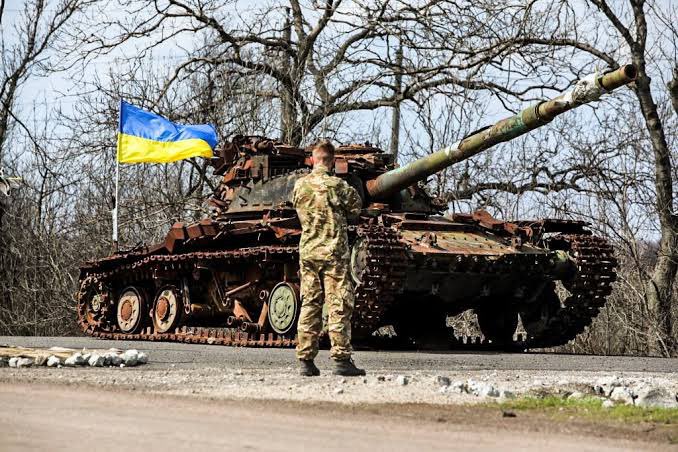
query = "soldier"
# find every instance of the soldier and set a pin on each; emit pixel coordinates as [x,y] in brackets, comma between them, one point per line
[323,203]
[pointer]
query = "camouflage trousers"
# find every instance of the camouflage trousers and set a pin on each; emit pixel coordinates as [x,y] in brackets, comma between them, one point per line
[328,282]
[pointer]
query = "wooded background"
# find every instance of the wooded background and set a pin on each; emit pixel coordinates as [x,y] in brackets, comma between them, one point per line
[410,77]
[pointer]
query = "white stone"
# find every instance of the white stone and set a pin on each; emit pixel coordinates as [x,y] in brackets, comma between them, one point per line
[482,389]
[40,360]
[607,404]
[24,362]
[576,395]
[604,386]
[656,397]
[488,391]
[622,394]
[76,359]
[441,380]
[402,380]
[96,360]
[112,359]
[458,386]
[53,361]
[130,357]
[13,361]
[86,356]
[142,358]
[339,391]
[506,394]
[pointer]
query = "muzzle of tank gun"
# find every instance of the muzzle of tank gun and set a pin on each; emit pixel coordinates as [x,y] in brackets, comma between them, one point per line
[586,90]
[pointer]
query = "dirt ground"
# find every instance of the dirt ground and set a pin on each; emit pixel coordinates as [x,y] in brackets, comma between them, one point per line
[198,397]
[56,417]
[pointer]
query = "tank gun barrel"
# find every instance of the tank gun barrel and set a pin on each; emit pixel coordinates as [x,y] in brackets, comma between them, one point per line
[586,90]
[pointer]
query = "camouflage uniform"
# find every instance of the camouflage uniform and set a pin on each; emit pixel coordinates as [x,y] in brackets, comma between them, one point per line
[323,202]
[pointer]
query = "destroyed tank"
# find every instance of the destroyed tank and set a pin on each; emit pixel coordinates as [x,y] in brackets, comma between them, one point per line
[233,278]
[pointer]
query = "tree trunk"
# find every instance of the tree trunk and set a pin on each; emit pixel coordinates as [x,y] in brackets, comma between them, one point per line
[287,107]
[659,289]
[395,119]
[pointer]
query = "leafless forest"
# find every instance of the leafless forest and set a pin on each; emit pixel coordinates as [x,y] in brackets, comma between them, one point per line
[411,76]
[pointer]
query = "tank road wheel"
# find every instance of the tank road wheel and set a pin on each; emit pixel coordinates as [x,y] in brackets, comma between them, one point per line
[131,310]
[498,324]
[95,306]
[283,308]
[167,309]
[358,260]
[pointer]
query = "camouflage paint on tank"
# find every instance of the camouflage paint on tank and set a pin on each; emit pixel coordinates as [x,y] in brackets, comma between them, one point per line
[586,90]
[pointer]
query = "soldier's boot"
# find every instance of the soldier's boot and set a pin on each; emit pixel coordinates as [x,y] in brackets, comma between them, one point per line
[308,368]
[347,368]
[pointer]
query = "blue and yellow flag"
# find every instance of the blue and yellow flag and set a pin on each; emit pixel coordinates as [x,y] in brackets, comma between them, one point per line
[147,137]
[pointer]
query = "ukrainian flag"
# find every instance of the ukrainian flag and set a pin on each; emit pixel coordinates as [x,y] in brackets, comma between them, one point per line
[147,137]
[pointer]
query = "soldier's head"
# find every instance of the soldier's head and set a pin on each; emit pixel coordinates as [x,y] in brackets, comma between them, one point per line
[323,154]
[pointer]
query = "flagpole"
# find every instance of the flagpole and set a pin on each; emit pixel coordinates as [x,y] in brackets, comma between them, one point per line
[117,181]
[115,205]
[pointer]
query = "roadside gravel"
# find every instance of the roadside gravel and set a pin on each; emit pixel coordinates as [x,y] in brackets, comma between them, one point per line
[393,377]
[452,387]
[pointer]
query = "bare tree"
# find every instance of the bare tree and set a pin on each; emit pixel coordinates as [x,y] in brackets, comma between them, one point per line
[317,59]
[556,42]
[29,49]
[33,286]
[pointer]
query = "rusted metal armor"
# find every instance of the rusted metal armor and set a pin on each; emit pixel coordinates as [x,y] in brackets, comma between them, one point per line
[234,278]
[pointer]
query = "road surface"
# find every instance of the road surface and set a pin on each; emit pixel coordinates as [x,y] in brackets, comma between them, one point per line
[165,354]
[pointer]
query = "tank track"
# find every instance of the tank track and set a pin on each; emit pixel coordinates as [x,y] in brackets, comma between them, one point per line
[381,279]
[102,327]
[386,262]
[596,264]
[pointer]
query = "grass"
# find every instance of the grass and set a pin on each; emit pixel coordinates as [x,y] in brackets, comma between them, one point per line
[592,408]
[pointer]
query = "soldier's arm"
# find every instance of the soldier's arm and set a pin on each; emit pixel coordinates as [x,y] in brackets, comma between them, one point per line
[352,201]
[295,193]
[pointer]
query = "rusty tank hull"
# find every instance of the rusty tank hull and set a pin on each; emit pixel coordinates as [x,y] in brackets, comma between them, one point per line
[233,278]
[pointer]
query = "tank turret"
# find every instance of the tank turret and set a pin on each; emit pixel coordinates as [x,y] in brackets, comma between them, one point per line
[586,90]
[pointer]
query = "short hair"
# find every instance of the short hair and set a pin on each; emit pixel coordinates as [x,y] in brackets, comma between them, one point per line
[323,152]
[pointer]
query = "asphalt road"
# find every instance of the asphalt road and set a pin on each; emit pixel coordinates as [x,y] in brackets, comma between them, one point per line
[175,355]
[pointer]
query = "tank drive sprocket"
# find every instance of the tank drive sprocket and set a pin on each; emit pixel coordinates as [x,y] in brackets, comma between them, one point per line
[565,310]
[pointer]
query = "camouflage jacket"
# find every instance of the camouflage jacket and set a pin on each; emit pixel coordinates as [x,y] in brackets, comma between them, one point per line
[323,202]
